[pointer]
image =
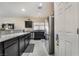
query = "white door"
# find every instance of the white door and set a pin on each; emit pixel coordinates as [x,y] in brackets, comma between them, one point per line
[68,48]
[66,24]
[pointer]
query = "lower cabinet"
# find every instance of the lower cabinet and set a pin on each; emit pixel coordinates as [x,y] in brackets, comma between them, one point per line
[1,49]
[27,39]
[11,47]
[14,46]
[26,43]
[21,45]
[39,35]
[12,51]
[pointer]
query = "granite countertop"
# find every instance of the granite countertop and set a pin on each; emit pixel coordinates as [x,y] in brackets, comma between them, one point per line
[9,36]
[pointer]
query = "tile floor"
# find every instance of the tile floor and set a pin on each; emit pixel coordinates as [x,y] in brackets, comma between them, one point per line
[39,48]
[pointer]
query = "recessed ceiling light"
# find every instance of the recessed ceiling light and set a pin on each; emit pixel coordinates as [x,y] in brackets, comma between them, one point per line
[23,9]
[40,4]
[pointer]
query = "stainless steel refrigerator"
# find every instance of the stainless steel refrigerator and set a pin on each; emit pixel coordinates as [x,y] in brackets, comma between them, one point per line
[51,34]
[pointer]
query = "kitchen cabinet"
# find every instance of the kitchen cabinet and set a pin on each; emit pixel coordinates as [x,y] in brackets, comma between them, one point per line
[39,35]
[14,46]
[11,47]
[1,49]
[21,44]
[27,40]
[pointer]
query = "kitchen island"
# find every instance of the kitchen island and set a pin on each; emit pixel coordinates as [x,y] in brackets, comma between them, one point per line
[14,44]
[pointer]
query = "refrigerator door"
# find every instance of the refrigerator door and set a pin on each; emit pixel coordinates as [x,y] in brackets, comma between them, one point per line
[51,35]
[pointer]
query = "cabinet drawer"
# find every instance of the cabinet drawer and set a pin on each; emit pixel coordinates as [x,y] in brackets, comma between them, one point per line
[26,43]
[21,45]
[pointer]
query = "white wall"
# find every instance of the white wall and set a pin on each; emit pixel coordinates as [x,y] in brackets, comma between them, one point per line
[19,22]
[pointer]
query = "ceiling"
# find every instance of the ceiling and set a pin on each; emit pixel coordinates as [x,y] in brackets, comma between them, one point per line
[15,9]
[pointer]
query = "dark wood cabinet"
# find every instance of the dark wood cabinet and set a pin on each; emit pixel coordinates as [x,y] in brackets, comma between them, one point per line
[27,39]
[39,35]
[11,47]
[21,44]
[14,46]
[12,50]
[1,49]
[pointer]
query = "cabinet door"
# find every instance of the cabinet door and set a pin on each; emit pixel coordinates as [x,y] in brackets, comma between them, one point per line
[1,49]
[21,45]
[12,50]
[26,42]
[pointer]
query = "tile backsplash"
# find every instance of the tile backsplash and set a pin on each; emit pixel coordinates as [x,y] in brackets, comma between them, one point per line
[10,32]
